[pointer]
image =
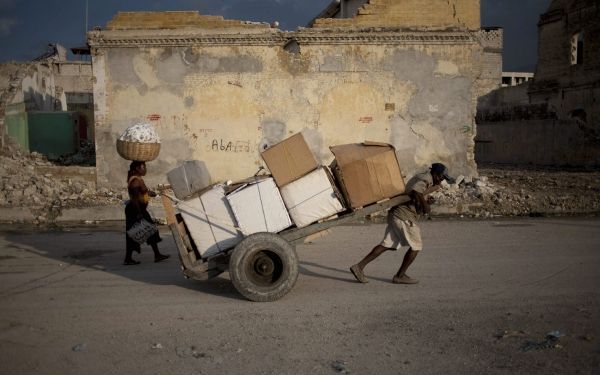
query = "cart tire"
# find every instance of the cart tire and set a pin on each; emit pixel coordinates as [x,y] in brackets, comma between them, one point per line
[263,267]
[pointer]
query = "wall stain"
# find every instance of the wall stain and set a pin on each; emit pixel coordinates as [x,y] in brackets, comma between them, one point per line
[273,132]
[189,101]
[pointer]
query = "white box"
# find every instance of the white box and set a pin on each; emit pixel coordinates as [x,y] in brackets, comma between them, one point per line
[210,221]
[189,178]
[258,207]
[311,198]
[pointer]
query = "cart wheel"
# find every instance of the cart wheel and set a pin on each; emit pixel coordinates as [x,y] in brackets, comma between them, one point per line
[263,267]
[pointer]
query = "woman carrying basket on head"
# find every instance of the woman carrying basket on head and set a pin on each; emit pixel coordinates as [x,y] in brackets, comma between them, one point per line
[136,212]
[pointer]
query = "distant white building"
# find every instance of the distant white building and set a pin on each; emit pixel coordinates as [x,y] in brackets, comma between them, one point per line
[515,78]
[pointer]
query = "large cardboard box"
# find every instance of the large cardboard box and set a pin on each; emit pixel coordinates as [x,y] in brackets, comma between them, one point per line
[210,221]
[289,160]
[312,198]
[258,207]
[189,178]
[367,172]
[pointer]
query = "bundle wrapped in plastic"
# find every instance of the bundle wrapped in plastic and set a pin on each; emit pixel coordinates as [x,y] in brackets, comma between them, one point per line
[139,142]
[141,132]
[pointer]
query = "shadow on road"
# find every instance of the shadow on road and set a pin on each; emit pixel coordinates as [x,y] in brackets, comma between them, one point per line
[103,249]
[348,279]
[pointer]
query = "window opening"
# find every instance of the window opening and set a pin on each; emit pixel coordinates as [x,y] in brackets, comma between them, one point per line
[577,49]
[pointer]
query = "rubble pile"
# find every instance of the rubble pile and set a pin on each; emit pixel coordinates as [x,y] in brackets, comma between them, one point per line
[22,186]
[523,192]
[498,191]
[85,156]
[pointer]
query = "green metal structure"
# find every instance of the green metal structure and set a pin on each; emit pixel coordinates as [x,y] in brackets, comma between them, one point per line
[50,133]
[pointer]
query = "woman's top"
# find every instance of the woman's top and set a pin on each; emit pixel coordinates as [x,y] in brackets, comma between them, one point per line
[138,192]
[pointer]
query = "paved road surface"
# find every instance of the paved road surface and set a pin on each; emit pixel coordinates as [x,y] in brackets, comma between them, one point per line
[67,306]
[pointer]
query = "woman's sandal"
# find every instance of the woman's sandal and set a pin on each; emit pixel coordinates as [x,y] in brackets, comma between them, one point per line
[131,262]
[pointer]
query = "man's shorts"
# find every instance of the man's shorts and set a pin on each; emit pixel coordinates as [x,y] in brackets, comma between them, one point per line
[401,233]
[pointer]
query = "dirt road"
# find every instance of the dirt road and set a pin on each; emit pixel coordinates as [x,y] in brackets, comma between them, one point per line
[68,306]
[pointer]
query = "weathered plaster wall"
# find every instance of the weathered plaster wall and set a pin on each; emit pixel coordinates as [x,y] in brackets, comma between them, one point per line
[223,102]
[38,89]
[569,87]
[557,121]
[72,77]
[43,86]
[11,75]
[504,97]
[538,142]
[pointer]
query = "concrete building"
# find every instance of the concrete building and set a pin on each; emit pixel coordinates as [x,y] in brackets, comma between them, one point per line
[568,72]
[515,78]
[405,72]
[554,119]
[48,84]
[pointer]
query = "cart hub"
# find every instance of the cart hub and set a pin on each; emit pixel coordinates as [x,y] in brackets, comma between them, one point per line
[265,268]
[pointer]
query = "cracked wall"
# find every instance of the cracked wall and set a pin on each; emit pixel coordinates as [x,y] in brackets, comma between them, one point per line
[224,103]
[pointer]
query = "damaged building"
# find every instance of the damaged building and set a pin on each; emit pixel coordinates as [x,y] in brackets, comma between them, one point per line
[46,105]
[554,119]
[405,72]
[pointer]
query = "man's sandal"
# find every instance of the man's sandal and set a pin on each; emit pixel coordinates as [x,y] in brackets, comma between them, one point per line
[358,274]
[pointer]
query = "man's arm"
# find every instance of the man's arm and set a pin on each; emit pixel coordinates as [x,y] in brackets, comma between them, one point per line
[432,189]
[421,203]
[418,193]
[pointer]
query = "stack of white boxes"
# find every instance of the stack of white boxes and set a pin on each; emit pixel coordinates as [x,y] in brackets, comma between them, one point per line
[307,189]
[300,192]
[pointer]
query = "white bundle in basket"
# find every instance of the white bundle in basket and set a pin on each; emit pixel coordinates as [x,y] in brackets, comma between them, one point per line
[141,132]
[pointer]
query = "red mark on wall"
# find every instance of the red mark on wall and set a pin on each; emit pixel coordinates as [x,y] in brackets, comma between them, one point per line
[153,117]
[366,120]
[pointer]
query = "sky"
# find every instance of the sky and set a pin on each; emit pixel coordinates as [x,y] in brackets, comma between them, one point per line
[27,26]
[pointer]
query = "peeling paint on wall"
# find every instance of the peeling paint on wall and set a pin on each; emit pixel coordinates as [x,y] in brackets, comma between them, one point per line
[223,104]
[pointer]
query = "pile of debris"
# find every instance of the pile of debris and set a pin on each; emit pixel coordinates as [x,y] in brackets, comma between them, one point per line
[23,185]
[522,191]
[499,191]
[85,155]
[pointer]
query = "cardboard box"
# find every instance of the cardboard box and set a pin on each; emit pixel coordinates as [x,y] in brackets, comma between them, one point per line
[367,172]
[189,178]
[258,207]
[289,160]
[210,221]
[312,198]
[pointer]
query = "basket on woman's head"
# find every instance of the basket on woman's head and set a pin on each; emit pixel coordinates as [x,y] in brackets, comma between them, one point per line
[139,142]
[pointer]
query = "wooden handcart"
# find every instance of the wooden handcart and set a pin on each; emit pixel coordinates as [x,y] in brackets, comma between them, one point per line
[263,266]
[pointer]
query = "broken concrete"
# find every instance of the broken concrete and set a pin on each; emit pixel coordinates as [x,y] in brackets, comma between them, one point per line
[34,190]
[524,191]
